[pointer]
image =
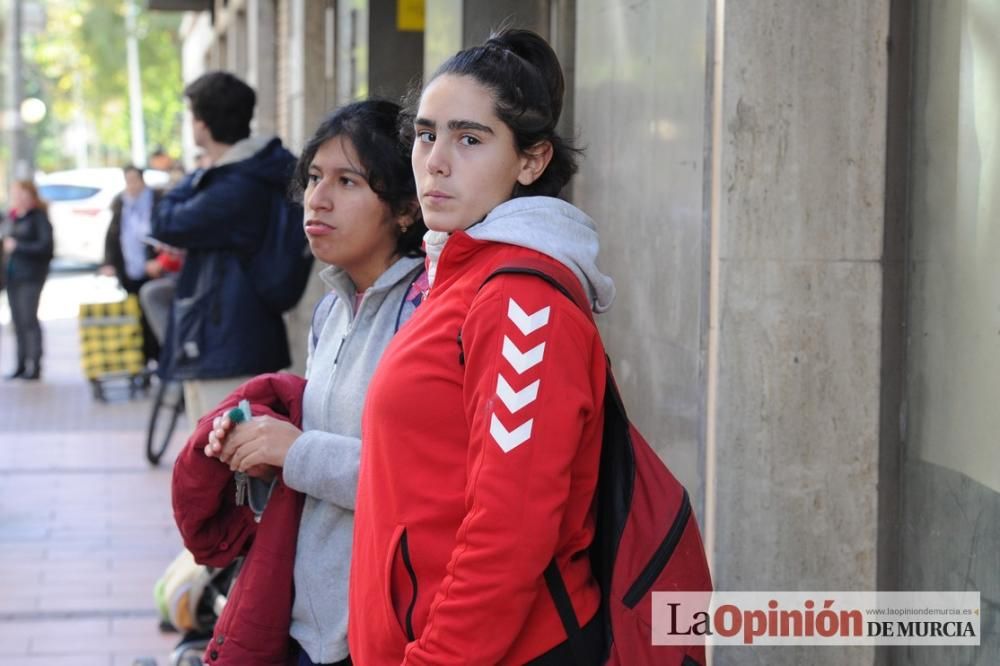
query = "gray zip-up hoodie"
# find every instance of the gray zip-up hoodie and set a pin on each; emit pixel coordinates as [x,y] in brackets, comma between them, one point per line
[323,461]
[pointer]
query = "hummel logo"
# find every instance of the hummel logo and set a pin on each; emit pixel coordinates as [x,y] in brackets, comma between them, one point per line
[516,400]
[508,441]
[519,361]
[527,323]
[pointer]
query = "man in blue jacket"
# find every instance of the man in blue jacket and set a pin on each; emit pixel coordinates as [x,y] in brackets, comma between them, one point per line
[220,331]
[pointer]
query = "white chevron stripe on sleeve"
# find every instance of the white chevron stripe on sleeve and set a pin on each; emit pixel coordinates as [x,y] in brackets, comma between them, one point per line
[519,361]
[516,400]
[508,441]
[527,323]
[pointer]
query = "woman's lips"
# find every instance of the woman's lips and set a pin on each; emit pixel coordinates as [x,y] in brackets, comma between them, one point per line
[437,197]
[317,228]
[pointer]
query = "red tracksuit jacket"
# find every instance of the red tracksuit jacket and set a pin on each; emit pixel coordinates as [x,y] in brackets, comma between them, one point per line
[475,472]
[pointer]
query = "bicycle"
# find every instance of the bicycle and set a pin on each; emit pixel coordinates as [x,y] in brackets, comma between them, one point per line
[167,409]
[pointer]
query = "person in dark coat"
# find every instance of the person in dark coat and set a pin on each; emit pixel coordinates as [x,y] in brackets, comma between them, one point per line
[220,331]
[29,249]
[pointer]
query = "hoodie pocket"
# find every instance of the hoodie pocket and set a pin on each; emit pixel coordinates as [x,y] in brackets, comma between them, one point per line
[401,584]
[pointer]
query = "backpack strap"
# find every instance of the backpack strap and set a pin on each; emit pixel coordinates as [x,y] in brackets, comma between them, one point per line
[560,597]
[566,283]
[414,296]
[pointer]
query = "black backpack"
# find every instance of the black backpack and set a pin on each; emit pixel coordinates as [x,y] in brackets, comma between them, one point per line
[280,268]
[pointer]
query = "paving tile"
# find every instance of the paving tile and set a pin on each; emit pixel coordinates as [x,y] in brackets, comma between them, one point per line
[86,525]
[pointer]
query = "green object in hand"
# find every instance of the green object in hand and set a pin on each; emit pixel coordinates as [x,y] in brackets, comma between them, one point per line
[240,413]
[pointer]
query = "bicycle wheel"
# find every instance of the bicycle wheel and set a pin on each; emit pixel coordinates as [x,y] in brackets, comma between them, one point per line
[167,409]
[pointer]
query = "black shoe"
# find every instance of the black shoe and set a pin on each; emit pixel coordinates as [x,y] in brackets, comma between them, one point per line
[18,372]
[32,371]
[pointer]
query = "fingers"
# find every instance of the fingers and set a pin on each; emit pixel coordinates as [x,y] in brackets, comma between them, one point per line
[221,426]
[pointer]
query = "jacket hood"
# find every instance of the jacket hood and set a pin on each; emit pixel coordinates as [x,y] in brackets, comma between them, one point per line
[263,157]
[554,228]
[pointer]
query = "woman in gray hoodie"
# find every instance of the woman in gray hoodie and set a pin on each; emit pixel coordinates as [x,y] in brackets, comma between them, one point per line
[362,218]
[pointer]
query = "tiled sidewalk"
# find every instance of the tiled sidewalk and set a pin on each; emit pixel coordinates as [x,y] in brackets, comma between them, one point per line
[85,522]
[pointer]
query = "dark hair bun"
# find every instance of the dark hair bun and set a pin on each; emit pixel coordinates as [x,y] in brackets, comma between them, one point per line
[530,47]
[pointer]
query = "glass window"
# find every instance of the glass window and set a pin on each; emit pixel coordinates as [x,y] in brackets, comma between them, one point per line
[66,192]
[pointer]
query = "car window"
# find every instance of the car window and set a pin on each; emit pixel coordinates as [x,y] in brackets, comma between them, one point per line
[66,192]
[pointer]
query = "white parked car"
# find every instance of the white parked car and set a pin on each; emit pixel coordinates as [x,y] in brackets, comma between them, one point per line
[80,207]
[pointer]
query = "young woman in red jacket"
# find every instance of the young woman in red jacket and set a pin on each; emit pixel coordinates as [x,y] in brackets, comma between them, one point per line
[482,425]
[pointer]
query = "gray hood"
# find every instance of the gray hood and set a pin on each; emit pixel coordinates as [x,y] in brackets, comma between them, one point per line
[554,228]
[244,149]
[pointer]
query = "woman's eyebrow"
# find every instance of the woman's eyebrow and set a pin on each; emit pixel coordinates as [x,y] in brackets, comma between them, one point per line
[338,170]
[455,125]
[469,125]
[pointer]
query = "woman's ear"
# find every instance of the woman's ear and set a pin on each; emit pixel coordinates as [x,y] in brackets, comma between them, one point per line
[408,217]
[534,161]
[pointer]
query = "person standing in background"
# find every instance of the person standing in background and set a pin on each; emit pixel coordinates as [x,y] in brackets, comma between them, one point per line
[29,248]
[127,252]
[221,332]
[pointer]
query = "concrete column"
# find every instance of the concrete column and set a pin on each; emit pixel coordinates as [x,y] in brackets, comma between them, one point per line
[396,61]
[640,113]
[800,229]
[262,23]
[443,35]
[307,94]
[236,42]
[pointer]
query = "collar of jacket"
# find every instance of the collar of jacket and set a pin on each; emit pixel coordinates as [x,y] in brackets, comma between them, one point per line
[244,149]
[460,249]
[340,282]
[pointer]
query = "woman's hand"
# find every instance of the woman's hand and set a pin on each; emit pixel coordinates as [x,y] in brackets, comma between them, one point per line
[9,243]
[261,442]
[220,430]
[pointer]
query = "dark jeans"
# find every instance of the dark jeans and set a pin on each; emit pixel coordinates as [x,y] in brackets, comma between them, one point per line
[23,297]
[150,340]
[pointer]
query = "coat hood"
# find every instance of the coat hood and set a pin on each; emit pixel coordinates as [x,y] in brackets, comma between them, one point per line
[263,157]
[554,228]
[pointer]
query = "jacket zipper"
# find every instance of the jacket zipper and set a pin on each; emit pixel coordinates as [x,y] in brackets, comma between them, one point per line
[405,551]
[347,334]
[660,557]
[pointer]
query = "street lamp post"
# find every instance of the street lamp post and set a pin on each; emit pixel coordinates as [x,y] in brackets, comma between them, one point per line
[135,88]
[20,161]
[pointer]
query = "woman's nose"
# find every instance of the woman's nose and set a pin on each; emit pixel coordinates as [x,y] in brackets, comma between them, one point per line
[437,160]
[318,197]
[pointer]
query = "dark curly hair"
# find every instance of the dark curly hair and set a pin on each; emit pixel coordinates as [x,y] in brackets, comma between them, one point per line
[372,128]
[524,75]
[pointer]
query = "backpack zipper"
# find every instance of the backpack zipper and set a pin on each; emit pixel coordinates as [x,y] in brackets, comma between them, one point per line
[660,557]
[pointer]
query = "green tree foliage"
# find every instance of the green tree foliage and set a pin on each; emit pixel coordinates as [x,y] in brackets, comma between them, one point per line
[80,58]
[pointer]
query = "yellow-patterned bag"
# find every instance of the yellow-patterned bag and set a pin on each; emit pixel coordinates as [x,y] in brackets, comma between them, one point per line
[111,339]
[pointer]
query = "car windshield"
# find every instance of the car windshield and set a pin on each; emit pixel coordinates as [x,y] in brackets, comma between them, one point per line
[66,192]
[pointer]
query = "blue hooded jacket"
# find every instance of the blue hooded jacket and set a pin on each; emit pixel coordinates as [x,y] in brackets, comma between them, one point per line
[219,327]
